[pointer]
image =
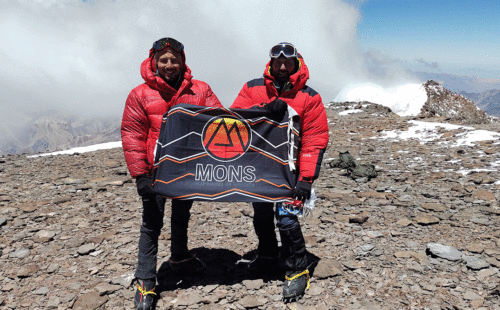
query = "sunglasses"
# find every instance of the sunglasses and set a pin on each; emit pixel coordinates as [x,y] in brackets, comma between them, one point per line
[283,48]
[168,42]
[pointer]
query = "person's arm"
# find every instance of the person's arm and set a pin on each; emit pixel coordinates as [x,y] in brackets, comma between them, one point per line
[243,100]
[211,99]
[134,131]
[314,139]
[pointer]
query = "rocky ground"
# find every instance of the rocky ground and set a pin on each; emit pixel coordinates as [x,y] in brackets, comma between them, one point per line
[423,234]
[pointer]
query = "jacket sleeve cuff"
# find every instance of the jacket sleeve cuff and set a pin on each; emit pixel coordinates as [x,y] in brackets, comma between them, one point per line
[306,179]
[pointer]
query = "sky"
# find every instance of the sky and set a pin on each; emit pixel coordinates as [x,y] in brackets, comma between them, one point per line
[83,57]
[452,36]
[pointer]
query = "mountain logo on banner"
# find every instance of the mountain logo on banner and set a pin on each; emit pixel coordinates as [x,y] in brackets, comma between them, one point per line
[226,138]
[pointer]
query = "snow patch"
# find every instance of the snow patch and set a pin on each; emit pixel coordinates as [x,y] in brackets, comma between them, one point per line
[83,149]
[427,132]
[350,111]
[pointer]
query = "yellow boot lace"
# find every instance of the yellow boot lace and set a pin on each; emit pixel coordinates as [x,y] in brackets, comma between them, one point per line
[144,292]
[298,275]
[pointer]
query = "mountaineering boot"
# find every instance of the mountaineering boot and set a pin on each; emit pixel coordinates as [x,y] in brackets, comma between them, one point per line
[144,295]
[189,265]
[263,263]
[296,283]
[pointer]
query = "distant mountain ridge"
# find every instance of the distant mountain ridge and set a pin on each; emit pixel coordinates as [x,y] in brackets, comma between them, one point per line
[488,101]
[55,131]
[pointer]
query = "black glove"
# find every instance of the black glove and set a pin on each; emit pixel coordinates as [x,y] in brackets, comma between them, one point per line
[143,183]
[302,190]
[276,106]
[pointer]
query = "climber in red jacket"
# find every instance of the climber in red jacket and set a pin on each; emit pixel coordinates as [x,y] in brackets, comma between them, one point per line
[283,87]
[167,82]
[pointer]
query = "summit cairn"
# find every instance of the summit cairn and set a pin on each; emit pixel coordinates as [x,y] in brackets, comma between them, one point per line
[442,102]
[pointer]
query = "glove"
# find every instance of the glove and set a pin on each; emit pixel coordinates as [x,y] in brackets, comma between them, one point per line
[276,106]
[302,190]
[143,183]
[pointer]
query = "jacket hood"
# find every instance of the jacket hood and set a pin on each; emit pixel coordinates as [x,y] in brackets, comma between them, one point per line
[148,73]
[298,79]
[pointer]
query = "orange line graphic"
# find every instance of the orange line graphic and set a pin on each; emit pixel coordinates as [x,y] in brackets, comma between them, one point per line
[282,185]
[181,161]
[284,164]
[228,191]
[161,181]
[200,112]
[267,121]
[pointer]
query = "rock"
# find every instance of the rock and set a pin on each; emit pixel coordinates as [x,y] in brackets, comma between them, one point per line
[475,248]
[483,195]
[106,288]
[86,249]
[3,221]
[437,207]
[359,218]
[44,236]
[27,270]
[374,234]
[253,284]
[470,295]
[250,302]
[90,300]
[22,253]
[425,219]
[443,251]
[189,298]
[485,273]
[61,200]
[420,258]
[403,254]
[327,268]
[124,280]
[403,222]
[52,268]
[42,291]
[315,290]
[67,298]
[53,302]
[475,263]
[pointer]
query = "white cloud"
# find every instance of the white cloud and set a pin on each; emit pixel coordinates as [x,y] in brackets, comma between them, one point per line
[84,57]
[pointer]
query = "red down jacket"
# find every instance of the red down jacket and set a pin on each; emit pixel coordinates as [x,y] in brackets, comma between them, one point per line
[144,111]
[306,102]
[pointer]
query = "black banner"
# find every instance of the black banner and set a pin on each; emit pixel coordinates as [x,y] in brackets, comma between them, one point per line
[220,154]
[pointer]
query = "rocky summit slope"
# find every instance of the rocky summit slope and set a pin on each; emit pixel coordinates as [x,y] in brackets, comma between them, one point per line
[456,108]
[423,234]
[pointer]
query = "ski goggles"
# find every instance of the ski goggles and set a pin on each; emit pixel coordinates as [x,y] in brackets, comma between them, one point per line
[283,48]
[168,42]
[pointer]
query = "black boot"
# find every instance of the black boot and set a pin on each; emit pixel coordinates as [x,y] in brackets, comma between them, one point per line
[296,283]
[145,294]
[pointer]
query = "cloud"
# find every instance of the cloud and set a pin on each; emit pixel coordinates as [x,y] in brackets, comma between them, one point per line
[84,56]
[432,65]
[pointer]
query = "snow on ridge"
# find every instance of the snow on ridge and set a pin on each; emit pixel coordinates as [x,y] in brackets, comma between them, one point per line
[404,100]
[83,149]
[427,132]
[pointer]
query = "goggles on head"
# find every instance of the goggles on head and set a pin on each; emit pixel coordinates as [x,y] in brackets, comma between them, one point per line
[283,48]
[168,42]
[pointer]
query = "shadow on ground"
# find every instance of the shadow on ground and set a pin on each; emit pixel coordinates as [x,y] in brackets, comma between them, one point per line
[223,268]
